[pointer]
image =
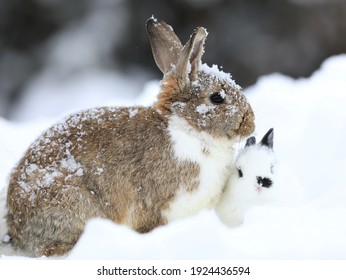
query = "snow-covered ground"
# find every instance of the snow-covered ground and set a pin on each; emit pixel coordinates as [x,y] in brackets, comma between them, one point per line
[306,222]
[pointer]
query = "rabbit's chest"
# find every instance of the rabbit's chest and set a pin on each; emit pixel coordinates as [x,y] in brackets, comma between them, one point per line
[214,157]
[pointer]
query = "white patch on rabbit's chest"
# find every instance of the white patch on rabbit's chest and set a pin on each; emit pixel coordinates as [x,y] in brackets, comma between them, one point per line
[214,157]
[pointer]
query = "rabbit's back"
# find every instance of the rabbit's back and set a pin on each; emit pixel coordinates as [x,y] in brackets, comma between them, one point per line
[87,166]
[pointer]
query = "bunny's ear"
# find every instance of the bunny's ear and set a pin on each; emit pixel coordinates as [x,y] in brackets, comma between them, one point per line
[250,141]
[190,57]
[268,139]
[165,45]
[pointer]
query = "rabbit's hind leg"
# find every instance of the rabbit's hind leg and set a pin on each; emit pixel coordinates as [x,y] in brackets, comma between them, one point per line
[54,229]
[48,234]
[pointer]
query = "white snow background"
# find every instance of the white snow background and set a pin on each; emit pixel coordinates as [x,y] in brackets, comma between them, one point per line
[308,221]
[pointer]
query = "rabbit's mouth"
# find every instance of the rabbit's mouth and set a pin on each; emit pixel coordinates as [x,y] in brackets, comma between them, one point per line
[247,126]
[258,188]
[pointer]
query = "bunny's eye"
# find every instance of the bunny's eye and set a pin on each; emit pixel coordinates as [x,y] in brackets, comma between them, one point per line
[240,173]
[217,98]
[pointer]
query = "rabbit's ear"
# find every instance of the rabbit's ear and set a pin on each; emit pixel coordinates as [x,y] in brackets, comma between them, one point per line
[250,141]
[268,139]
[165,45]
[190,57]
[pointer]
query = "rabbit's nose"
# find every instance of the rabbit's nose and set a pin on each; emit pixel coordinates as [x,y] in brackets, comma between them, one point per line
[264,182]
[247,125]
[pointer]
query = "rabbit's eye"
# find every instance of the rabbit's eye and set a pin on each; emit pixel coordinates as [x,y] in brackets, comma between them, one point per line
[240,173]
[217,98]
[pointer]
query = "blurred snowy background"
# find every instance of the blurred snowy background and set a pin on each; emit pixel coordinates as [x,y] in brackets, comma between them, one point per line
[56,54]
[59,56]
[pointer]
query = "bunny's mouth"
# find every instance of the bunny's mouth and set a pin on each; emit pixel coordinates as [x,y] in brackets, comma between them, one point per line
[247,126]
[242,129]
[258,188]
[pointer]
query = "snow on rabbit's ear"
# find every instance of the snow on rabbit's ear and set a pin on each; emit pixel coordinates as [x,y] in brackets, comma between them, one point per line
[190,57]
[165,44]
[268,139]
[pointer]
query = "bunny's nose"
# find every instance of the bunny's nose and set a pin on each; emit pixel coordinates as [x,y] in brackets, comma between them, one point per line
[264,182]
[248,124]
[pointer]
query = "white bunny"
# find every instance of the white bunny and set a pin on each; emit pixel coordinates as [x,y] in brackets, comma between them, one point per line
[251,182]
[138,166]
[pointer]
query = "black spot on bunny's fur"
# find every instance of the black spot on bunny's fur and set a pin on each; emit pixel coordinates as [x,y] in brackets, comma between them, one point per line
[264,182]
[240,173]
[272,168]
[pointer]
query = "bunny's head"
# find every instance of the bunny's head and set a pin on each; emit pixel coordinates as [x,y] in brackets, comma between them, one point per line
[207,98]
[252,182]
[255,163]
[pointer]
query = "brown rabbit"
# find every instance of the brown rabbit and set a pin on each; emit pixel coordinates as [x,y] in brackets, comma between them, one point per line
[138,166]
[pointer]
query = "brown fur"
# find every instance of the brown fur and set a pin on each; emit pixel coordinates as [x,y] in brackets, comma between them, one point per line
[238,123]
[119,163]
[169,93]
[102,196]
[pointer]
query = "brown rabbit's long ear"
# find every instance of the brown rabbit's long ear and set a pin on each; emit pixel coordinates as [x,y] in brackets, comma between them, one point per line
[165,45]
[190,57]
